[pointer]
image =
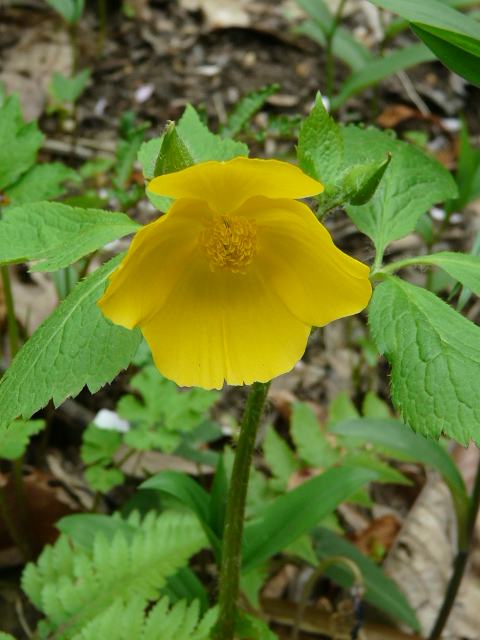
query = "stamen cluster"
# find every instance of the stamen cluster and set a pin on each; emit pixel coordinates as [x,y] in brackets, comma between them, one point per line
[229,242]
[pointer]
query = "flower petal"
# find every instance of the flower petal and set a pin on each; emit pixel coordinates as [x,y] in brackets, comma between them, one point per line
[225,185]
[157,257]
[224,326]
[316,281]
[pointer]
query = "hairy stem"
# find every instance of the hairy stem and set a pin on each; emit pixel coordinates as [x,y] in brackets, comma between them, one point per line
[233,530]
[460,562]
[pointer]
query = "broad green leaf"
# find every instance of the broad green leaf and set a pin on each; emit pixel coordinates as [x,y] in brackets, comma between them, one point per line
[435,358]
[464,267]
[370,460]
[15,437]
[467,174]
[451,35]
[74,347]
[341,408]
[374,407]
[398,441]
[379,69]
[412,183]
[19,142]
[381,591]
[6,636]
[459,53]
[320,144]
[298,511]
[311,442]
[174,154]
[41,182]
[66,89]
[246,107]
[249,627]
[57,234]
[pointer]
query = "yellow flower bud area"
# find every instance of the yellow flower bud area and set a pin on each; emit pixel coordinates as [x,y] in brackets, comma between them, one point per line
[229,242]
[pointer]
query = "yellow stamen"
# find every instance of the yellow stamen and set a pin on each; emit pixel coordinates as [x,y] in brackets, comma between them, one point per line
[229,242]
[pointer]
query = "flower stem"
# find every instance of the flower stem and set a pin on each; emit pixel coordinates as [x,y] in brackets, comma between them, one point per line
[233,530]
[11,321]
[460,562]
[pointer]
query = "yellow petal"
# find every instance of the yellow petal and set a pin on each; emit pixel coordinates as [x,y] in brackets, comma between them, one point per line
[315,280]
[225,185]
[224,326]
[157,257]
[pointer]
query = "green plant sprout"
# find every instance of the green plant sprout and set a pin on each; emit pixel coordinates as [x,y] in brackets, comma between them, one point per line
[138,565]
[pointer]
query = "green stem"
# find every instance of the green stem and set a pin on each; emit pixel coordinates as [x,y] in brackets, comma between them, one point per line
[399,264]
[460,562]
[18,463]
[233,530]
[11,320]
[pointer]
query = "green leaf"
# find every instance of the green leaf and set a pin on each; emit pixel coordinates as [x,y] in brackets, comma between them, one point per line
[65,89]
[99,445]
[341,408]
[320,144]
[467,174]
[71,10]
[280,458]
[248,105]
[381,591]
[464,267]
[312,445]
[57,234]
[380,69]
[205,145]
[459,53]
[297,512]
[19,143]
[6,636]
[190,493]
[101,479]
[370,460]
[399,441]
[344,45]
[412,183]
[75,346]
[41,182]
[249,627]
[217,506]
[15,437]
[435,358]
[374,407]
[174,154]
[451,35]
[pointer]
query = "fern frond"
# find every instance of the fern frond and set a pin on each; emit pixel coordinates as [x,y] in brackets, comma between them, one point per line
[123,621]
[88,582]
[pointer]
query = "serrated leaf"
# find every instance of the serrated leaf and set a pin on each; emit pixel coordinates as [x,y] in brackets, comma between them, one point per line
[205,145]
[320,144]
[15,437]
[435,358]
[412,183]
[174,154]
[41,182]
[99,445]
[312,445]
[57,234]
[101,479]
[19,142]
[74,347]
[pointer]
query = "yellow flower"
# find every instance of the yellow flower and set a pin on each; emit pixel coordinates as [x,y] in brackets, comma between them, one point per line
[227,285]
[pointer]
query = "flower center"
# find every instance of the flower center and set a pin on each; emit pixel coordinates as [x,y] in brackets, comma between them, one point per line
[229,242]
